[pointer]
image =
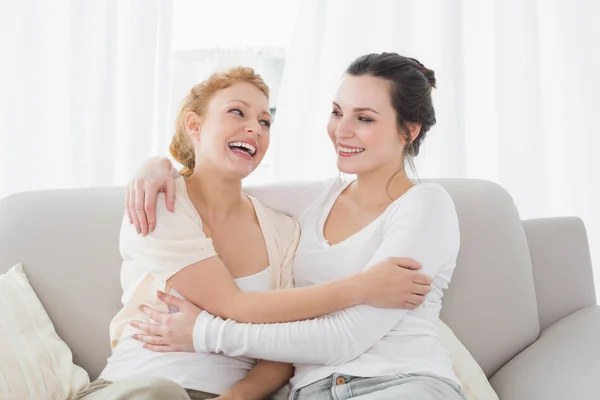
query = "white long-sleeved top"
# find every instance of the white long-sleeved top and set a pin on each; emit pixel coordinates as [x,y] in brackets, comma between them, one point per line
[361,341]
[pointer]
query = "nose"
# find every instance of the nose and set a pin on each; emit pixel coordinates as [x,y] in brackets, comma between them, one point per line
[344,129]
[253,128]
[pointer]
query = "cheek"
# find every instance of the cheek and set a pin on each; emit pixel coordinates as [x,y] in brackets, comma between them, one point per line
[377,140]
[331,128]
[264,141]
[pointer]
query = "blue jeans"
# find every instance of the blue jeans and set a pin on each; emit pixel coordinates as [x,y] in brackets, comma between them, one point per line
[396,387]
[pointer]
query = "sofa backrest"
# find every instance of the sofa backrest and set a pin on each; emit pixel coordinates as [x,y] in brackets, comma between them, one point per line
[67,241]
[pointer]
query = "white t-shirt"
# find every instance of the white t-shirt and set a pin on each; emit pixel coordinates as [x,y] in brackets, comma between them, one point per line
[148,262]
[361,341]
[212,373]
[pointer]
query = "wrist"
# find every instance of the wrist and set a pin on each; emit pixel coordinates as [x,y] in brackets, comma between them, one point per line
[354,290]
[201,338]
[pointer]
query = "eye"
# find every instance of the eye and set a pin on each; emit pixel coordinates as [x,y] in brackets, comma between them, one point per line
[237,111]
[336,113]
[265,122]
[365,120]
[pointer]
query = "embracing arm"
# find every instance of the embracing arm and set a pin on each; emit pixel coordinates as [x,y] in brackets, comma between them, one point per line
[209,285]
[427,231]
[179,253]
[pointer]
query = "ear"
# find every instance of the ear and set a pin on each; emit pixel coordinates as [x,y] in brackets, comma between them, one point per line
[193,124]
[414,129]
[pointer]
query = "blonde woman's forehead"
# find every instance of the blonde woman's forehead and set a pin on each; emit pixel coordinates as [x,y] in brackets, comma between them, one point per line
[244,93]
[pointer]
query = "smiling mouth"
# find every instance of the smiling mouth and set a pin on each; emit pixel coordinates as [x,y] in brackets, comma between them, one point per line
[243,148]
[349,152]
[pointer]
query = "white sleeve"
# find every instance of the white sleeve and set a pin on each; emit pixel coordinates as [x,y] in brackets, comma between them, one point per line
[424,228]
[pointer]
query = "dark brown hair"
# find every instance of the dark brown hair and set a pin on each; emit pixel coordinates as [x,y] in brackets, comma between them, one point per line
[410,92]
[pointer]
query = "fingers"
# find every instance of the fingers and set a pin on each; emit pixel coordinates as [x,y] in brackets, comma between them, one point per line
[151,339]
[131,209]
[140,206]
[147,328]
[171,300]
[422,290]
[159,349]
[127,205]
[404,262]
[422,279]
[150,209]
[415,299]
[170,195]
[155,315]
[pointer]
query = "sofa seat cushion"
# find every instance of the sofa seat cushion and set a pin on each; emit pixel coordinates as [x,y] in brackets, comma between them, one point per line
[561,364]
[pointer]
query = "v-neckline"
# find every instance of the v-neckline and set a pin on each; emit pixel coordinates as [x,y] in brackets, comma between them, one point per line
[258,212]
[329,207]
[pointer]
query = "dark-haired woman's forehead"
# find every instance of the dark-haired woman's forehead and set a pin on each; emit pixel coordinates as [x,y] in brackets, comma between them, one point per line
[360,92]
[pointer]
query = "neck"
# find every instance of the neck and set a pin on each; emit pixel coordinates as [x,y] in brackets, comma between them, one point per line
[215,196]
[381,187]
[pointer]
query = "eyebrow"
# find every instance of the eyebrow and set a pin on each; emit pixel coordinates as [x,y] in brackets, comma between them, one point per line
[357,109]
[248,105]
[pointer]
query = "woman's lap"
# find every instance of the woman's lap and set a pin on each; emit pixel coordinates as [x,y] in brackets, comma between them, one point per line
[410,387]
[415,391]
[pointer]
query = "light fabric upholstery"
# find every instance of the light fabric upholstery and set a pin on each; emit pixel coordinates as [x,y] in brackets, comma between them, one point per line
[493,261]
[34,362]
[68,242]
[558,246]
[564,363]
[475,384]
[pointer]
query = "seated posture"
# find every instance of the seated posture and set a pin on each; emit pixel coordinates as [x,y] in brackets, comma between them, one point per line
[379,118]
[223,250]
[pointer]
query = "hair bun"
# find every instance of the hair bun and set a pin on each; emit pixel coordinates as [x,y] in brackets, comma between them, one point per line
[429,74]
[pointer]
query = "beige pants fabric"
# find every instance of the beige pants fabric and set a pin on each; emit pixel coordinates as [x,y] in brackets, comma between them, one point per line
[140,389]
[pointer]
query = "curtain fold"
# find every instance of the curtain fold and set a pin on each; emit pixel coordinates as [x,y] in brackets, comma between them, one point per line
[84,89]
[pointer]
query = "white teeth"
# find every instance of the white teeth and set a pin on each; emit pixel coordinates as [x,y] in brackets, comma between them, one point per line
[347,150]
[245,145]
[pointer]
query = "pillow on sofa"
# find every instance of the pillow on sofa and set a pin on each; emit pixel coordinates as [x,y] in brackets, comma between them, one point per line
[474,382]
[34,362]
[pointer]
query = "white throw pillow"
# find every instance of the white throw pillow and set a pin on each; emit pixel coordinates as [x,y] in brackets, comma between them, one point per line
[34,362]
[474,382]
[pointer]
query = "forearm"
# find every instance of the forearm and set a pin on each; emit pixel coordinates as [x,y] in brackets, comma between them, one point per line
[298,304]
[263,380]
[334,339]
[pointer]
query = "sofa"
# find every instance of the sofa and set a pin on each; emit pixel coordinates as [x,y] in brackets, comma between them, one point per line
[521,300]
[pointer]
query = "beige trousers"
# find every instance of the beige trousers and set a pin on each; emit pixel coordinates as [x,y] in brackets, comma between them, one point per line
[140,389]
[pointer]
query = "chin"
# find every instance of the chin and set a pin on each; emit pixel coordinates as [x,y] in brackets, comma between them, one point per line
[243,173]
[349,168]
[239,170]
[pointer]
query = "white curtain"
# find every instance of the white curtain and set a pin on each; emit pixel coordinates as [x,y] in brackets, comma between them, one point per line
[84,90]
[517,97]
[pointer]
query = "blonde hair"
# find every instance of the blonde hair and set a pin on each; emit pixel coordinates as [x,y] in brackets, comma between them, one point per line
[197,101]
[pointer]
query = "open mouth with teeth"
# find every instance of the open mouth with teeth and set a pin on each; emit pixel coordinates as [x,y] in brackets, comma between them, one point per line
[243,149]
[349,152]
